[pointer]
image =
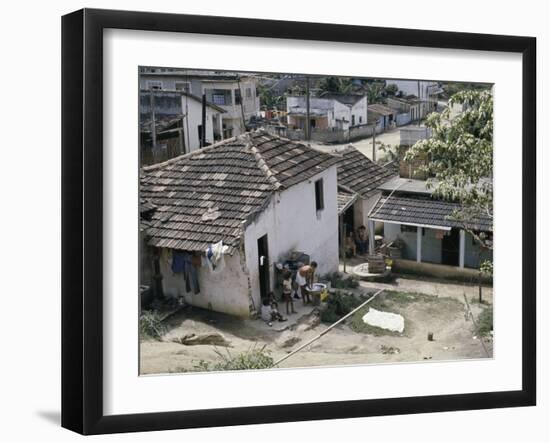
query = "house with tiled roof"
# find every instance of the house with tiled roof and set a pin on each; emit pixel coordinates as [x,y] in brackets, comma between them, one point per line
[252,200]
[358,181]
[427,228]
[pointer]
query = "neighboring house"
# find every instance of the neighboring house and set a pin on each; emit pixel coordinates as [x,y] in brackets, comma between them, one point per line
[384,116]
[425,227]
[426,90]
[358,181]
[234,93]
[261,196]
[178,117]
[338,112]
[408,108]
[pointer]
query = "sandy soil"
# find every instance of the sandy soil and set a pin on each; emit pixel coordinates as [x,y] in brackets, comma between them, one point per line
[445,317]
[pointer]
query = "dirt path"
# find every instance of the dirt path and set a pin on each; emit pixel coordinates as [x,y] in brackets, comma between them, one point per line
[443,316]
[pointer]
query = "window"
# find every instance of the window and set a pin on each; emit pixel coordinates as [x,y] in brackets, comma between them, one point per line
[408,228]
[220,97]
[238,96]
[319,197]
[154,84]
[360,119]
[248,93]
[353,120]
[182,86]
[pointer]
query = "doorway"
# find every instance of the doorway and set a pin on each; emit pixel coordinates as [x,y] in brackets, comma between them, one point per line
[450,245]
[263,266]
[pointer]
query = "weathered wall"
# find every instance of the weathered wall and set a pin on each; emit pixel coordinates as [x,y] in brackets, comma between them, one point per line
[359,111]
[410,135]
[225,290]
[292,223]
[392,231]
[431,246]
[403,119]
[192,110]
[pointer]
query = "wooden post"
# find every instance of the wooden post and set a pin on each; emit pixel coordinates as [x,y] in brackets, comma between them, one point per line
[461,248]
[419,103]
[418,244]
[374,141]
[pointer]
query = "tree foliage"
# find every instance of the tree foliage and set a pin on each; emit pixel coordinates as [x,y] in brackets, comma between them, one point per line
[375,92]
[460,155]
[268,98]
[334,85]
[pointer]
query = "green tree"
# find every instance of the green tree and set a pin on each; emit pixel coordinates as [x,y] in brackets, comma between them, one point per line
[268,98]
[334,85]
[460,155]
[391,89]
[375,92]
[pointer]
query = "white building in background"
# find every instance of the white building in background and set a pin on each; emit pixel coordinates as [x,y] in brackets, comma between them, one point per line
[236,94]
[425,90]
[327,113]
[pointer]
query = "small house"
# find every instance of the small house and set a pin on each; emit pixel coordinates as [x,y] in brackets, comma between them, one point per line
[220,218]
[358,181]
[425,227]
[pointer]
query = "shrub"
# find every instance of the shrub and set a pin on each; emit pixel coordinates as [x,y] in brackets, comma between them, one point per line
[485,322]
[338,305]
[337,281]
[251,359]
[150,325]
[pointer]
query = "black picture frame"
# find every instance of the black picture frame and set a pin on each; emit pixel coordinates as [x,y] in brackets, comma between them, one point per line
[82,218]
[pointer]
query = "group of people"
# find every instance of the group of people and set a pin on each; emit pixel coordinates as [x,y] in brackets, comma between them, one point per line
[304,278]
[357,242]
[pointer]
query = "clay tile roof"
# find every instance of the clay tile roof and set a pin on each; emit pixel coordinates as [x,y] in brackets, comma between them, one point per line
[211,194]
[359,173]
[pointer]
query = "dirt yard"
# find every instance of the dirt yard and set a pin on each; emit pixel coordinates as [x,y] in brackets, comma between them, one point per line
[350,343]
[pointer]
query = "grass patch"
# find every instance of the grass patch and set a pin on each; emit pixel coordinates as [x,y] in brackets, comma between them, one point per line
[151,326]
[485,322]
[254,358]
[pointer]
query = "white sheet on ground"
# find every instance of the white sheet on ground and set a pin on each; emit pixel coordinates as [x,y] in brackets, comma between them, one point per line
[385,320]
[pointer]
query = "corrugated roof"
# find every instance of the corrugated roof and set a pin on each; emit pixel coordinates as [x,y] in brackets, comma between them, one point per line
[423,211]
[359,173]
[210,194]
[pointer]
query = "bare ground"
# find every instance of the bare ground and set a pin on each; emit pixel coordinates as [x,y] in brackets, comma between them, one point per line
[445,317]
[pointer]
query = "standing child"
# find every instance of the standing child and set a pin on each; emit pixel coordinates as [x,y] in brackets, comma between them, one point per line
[287,292]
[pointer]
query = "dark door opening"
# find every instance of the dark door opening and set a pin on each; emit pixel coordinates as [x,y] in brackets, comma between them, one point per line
[348,219]
[263,266]
[449,247]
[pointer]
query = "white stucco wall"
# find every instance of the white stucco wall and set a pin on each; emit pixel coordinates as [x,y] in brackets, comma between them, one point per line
[225,290]
[359,110]
[291,223]
[192,110]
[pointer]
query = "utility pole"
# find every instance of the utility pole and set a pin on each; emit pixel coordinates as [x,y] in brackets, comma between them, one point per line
[419,103]
[308,123]
[203,122]
[153,122]
[374,141]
